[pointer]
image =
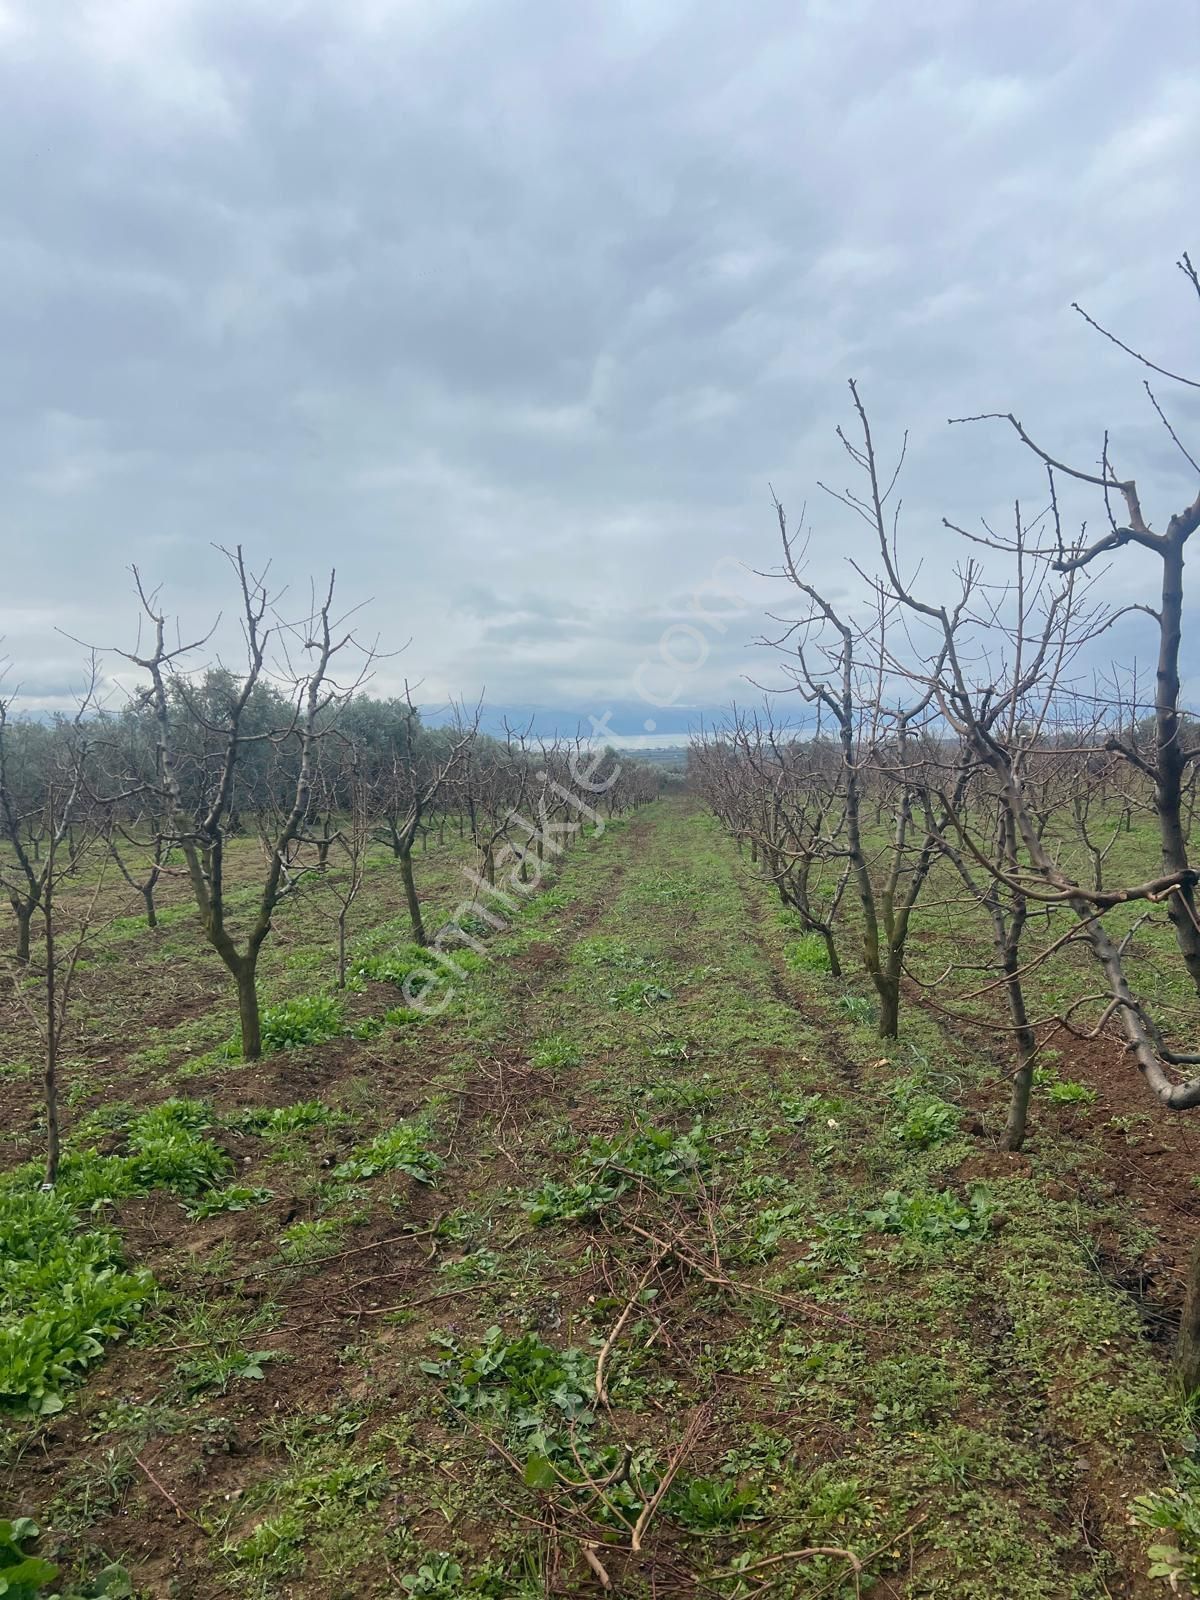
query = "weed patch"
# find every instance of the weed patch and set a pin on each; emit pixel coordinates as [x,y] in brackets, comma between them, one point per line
[28,1577]
[924,1119]
[217,1369]
[1174,1512]
[557,1050]
[809,953]
[309,1019]
[639,994]
[302,1241]
[403,1148]
[280,1122]
[929,1217]
[656,1157]
[63,1296]
[237,1197]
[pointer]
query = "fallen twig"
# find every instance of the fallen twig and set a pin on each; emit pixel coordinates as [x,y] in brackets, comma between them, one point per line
[905,1533]
[407,1305]
[184,1516]
[337,1255]
[606,1347]
[721,1281]
[221,1338]
[589,1555]
[856,1565]
[690,1434]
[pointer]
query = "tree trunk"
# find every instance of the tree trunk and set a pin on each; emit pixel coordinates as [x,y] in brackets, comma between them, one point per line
[24,919]
[1018,1105]
[1187,1351]
[1170,763]
[888,987]
[1026,1043]
[50,1079]
[151,913]
[341,927]
[414,903]
[835,966]
[247,991]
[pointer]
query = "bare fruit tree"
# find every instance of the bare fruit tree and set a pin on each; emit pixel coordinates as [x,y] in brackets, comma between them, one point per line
[1166,756]
[841,667]
[351,805]
[422,774]
[201,805]
[31,771]
[784,795]
[981,744]
[63,814]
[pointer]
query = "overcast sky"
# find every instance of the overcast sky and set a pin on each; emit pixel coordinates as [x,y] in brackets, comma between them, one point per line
[514,310]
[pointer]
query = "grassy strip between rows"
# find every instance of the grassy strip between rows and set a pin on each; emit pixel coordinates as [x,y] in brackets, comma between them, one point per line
[741,1284]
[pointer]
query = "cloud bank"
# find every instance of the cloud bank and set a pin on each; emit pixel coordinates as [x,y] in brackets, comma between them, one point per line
[514,310]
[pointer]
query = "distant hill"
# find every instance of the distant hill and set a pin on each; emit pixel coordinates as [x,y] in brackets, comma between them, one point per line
[624,719]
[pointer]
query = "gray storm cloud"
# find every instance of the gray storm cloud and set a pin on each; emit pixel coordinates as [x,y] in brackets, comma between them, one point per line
[531,302]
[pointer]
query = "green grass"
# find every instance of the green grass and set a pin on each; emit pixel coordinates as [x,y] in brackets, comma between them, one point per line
[556,1051]
[809,953]
[775,1231]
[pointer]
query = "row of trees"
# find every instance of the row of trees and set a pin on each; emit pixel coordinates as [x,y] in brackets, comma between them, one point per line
[962,733]
[286,751]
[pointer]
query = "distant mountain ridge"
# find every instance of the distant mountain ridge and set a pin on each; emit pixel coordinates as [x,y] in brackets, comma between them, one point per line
[632,719]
